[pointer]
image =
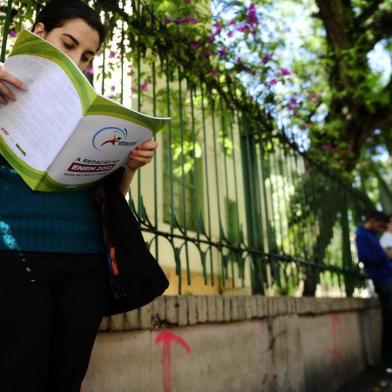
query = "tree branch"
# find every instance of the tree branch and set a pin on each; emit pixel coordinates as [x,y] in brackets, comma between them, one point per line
[379,28]
[338,19]
[381,119]
[368,12]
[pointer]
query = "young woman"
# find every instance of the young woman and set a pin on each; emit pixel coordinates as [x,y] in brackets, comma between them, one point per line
[53,280]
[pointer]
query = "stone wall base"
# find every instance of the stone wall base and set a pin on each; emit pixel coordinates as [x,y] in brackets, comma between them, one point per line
[235,344]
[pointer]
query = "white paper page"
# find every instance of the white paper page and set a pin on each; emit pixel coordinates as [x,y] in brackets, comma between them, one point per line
[99,146]
[41,120]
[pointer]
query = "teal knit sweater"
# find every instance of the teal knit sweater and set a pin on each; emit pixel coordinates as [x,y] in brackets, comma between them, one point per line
[46,222]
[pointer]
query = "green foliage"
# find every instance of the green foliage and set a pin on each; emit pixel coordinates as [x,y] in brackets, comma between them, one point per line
[239,52]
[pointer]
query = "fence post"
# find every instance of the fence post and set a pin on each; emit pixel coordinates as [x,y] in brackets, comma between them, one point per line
[346,248]
[7,23]
[252,207]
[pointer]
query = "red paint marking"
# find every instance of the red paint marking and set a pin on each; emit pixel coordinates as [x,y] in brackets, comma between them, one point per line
[336,352]
[167,338]
[336,324]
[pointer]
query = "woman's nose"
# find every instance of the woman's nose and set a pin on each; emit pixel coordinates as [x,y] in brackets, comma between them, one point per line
[75,58]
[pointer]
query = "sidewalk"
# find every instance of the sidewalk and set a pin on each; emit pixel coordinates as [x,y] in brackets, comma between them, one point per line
[372,380]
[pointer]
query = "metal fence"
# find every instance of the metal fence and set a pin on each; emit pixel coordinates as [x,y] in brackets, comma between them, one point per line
[219,201]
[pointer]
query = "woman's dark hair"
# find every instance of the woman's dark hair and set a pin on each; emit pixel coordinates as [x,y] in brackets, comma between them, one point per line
[57,12]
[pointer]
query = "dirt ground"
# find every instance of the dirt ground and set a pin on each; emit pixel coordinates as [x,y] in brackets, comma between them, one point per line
[372,380]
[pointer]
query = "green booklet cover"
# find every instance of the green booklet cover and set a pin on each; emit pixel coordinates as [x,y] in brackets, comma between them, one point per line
[60,134]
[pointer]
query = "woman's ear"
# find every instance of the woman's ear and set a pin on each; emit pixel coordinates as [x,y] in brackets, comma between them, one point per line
[39,29]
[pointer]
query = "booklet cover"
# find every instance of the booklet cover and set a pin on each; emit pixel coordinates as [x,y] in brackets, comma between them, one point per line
[60,134]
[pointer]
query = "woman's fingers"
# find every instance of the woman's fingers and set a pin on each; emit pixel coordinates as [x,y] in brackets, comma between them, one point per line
[149,145]
[141,159]
[6,93]
[142,153]
[138,161]
[7,77]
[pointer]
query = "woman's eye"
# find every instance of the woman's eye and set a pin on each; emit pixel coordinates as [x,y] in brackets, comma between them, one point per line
[68,46]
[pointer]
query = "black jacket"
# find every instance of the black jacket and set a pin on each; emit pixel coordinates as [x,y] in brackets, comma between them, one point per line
[135,276]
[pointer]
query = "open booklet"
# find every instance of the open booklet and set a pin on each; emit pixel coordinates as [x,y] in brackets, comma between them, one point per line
[60,134]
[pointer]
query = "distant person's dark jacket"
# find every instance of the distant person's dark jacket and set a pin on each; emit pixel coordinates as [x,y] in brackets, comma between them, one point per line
[373,256]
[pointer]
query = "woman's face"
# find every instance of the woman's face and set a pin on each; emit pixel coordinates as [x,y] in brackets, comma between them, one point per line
[75,38]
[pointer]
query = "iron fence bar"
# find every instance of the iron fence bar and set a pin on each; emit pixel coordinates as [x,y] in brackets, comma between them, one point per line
[195,178]
[271,273]
[122,63]
[206,173]
[251,213]
[283,258]
[280,168]
[183,195]
[155,163]
[7,23]
[169,147]
[237,200]
[222,237]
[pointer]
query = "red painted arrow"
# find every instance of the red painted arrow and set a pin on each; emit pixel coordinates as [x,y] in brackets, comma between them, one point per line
[167,338]
[335,350]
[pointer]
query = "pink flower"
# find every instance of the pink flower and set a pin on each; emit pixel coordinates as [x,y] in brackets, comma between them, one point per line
[187,21]
[272,82]
[112,54]
[222,52]
[252,15]
[144,86]
[168,20]
[267,57]
[194,45]
[284,71]
[293,103]
[233,22]
[12,33]
[89,70]
[214,73]
[217,27]
[211,38]
[113,88]
[329,147]
[243,28]
[230,33]
[313,97]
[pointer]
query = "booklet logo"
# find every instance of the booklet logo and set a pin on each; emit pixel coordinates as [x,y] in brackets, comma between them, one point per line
[110,137]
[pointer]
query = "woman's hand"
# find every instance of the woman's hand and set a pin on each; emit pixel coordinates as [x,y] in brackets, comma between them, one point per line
[6,94]
[142,155]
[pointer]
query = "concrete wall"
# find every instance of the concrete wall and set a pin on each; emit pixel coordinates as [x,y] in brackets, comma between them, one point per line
[216,344]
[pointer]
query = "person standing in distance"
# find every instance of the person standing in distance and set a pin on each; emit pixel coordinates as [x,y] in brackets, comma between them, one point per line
[386,238]
[378,264]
